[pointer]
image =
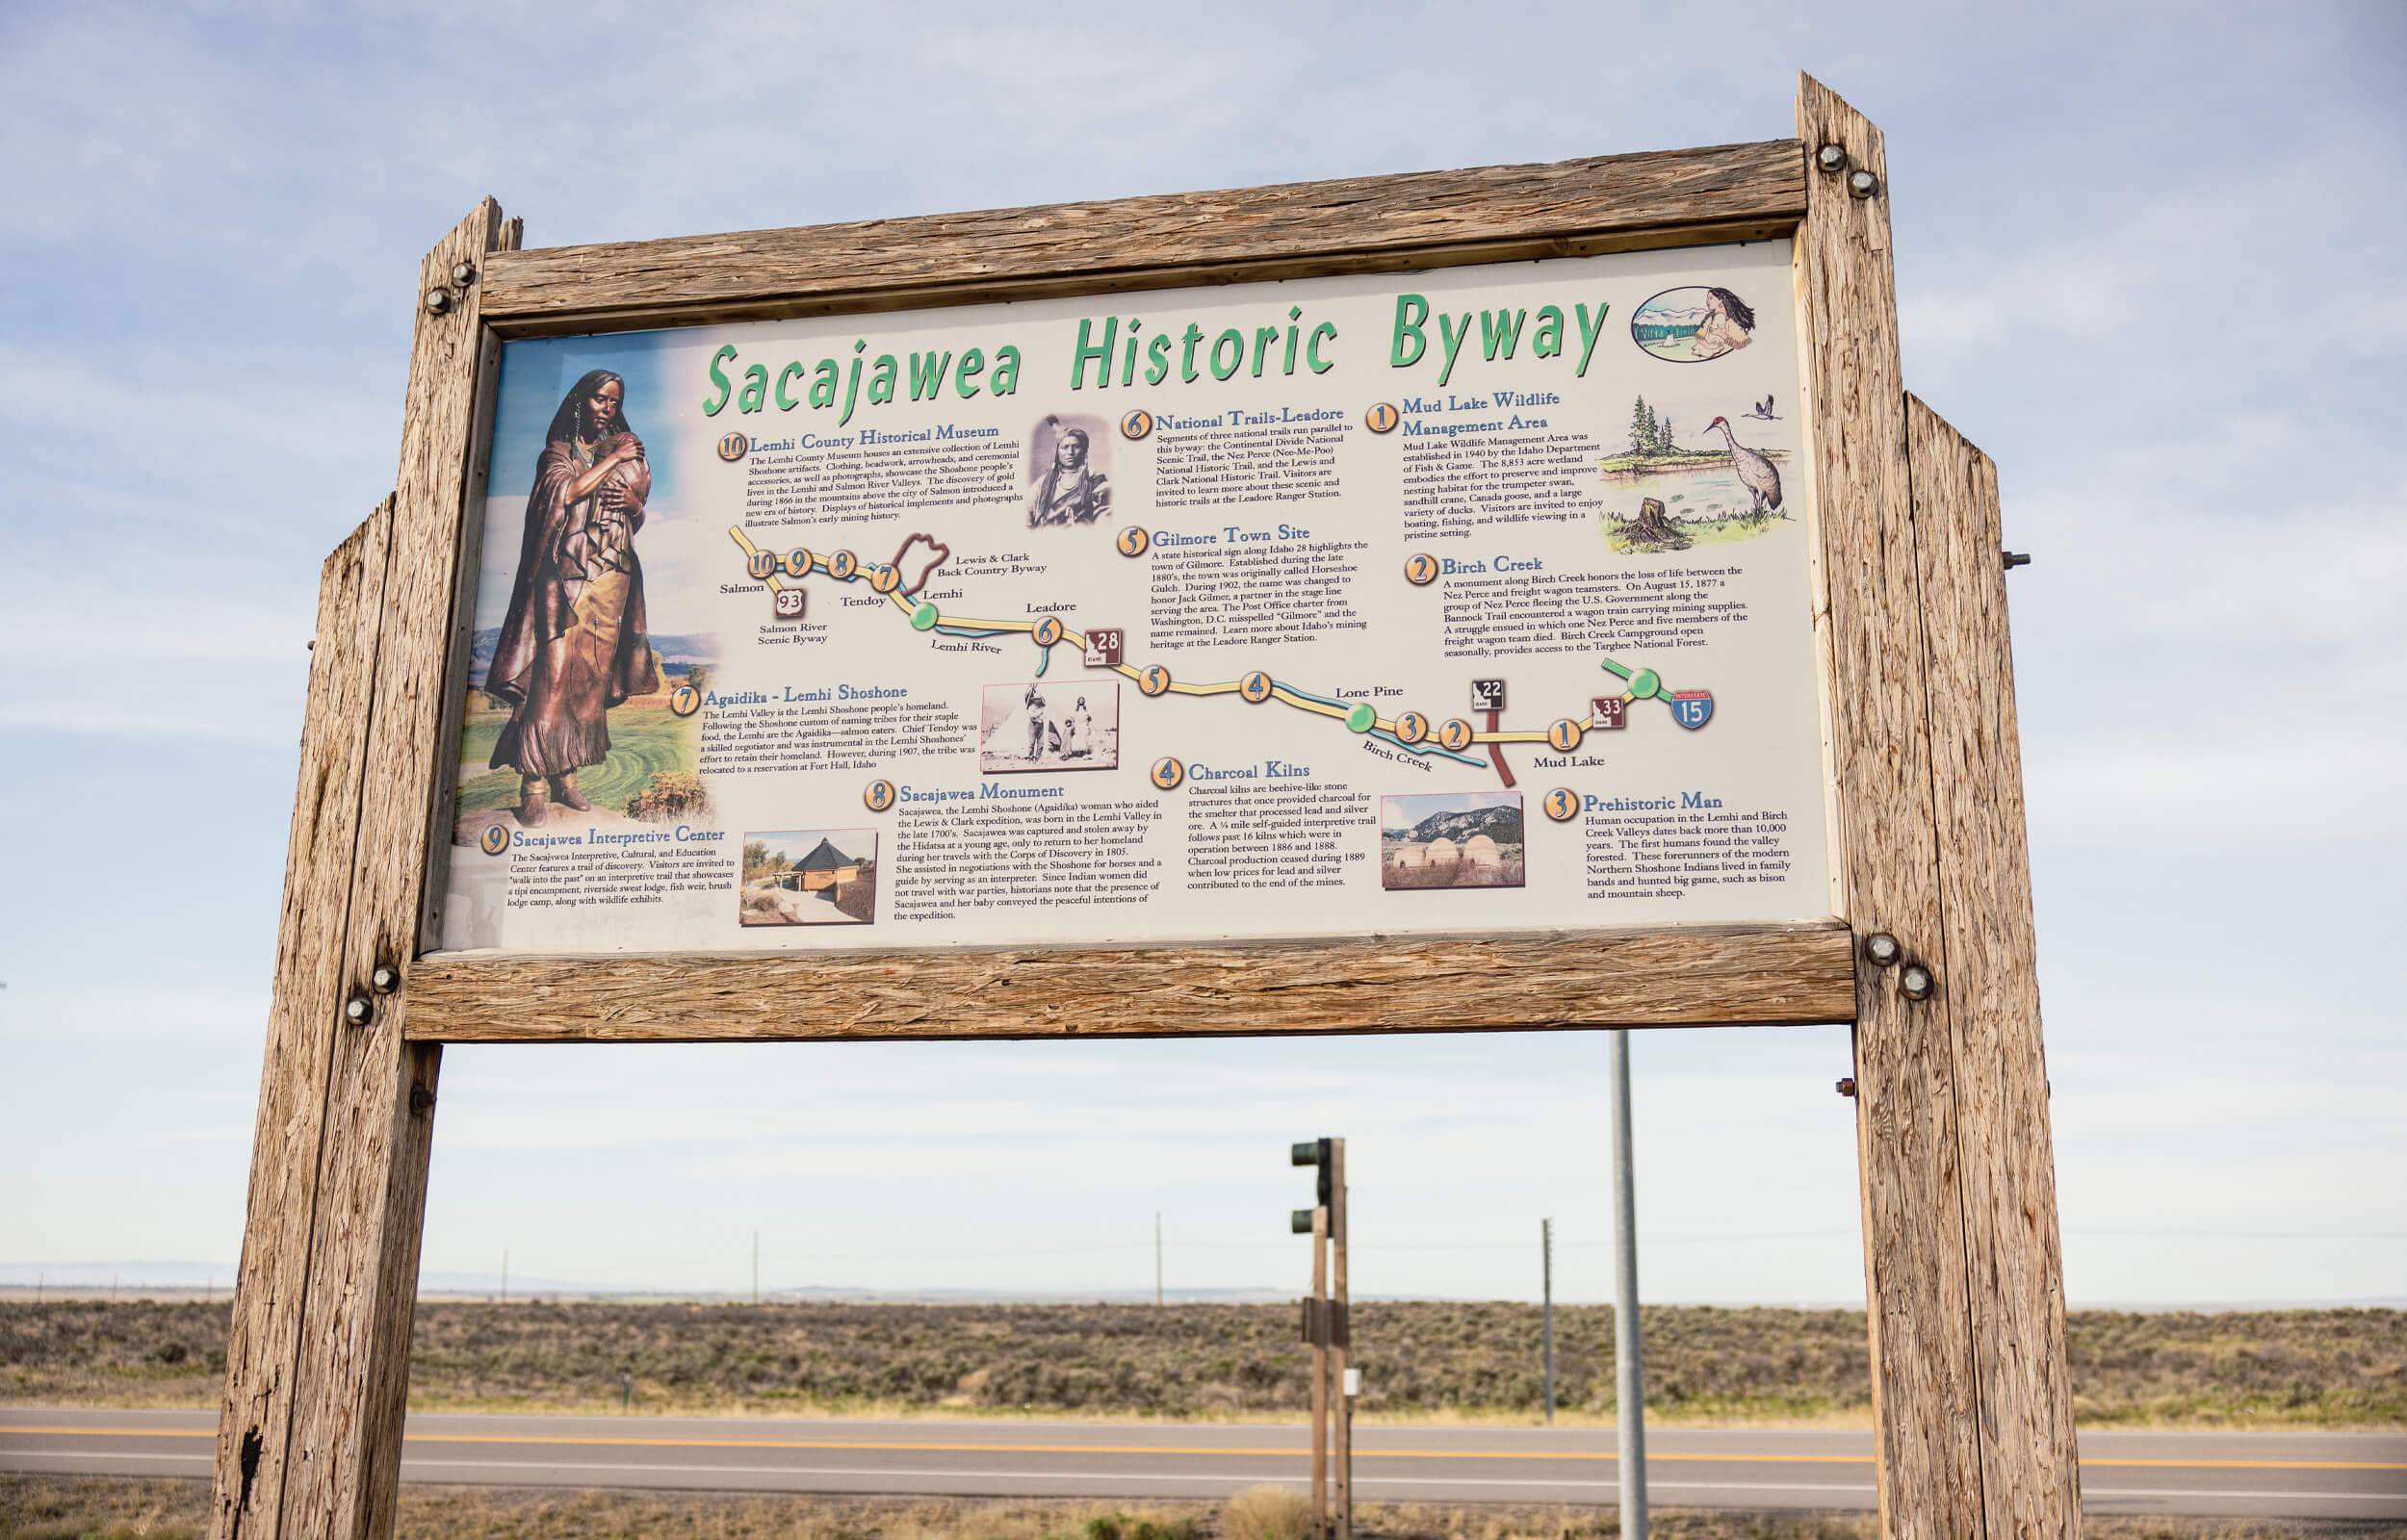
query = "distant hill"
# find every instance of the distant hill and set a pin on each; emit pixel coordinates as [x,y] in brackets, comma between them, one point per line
[1501,824]
[678,653]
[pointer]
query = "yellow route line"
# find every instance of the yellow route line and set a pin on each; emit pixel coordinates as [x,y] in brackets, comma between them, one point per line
[751,551]
[1077,639]
[952,1447]
[963,623]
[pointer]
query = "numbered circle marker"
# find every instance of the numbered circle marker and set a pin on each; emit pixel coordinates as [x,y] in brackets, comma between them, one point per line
[1420,569]
[1455,734]
[1360,718]
[494,840]
[1136,425]
[1133,540]
[842,565]
[1565,734]
[1168,772]
[1412,728]
[924,618]
[1047,631]
[1155,680]
[885,580]
[1383,417]
[1254,687]
[761,564]
[797,562]
[685,700]
[1563,804]
[734,447]
[878,795]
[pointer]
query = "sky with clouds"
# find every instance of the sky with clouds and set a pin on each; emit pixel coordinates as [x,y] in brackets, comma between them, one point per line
[2148,258]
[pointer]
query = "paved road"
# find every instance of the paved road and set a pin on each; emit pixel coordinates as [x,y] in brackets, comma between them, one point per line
[2322,1476]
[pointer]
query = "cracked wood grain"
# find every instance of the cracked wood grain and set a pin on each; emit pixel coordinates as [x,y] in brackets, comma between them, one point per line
[1705,976]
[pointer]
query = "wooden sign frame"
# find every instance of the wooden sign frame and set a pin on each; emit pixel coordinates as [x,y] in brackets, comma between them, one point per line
[1963,1270]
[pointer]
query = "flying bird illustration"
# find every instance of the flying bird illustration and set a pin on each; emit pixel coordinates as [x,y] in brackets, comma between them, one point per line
[1763,411]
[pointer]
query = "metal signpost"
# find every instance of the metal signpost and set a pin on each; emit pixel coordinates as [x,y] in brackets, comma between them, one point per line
[1546,1307]
[1629,1372]
[1255,611]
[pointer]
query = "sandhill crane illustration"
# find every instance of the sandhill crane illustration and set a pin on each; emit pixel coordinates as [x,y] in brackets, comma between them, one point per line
[1758,475]
[1762,411]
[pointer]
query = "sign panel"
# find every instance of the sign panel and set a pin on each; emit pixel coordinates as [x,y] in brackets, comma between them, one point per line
[1467,601]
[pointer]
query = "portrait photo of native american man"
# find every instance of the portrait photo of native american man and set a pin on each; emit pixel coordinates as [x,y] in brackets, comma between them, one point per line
[1066,487]
[574,642]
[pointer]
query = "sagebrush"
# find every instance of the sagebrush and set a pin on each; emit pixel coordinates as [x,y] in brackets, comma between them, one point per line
[2308,1367]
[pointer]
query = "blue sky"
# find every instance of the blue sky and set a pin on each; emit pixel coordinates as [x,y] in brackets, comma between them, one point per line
[2148,258]
[536,373]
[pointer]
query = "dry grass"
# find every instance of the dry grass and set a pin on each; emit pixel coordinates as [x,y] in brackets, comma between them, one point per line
[1267,1513]
[1422,1362]
[116,1508]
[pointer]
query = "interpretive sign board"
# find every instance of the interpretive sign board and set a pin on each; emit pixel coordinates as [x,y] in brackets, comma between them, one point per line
[1510,598]
[1455,601]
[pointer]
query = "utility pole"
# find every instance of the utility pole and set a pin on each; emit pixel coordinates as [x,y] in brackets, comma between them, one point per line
[1629,1410]
[1157,1259]
[756,1267]
[1328,1331]
[506,1274]
[1547,1274]
[1341,1338]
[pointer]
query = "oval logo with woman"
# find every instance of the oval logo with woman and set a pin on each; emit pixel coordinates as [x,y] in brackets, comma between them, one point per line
[1692,323]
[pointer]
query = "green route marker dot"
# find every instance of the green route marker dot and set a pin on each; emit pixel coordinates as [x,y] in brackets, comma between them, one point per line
[1644,684]
[1361,718]
[924,618]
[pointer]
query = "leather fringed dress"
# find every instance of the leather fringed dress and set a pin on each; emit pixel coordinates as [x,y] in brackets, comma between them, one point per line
[574,642]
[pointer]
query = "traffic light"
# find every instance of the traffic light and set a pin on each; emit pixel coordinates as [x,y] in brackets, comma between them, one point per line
[1309,1152]
[1314,1152]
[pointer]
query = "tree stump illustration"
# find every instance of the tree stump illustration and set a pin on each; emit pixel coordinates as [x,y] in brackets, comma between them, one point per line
[1650,530]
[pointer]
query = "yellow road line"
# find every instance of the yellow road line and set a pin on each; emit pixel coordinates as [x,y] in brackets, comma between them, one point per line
[934,1447]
